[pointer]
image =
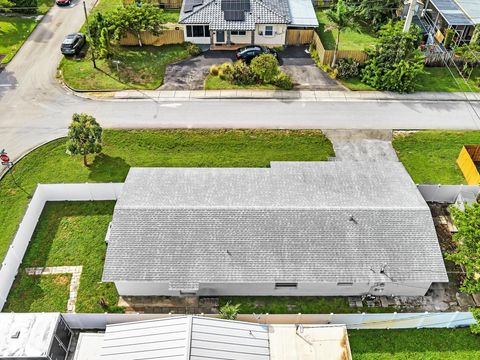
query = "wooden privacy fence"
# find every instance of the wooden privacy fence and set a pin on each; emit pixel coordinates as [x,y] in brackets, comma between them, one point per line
[326,56]
[466,161]
[299,36]
[164,38]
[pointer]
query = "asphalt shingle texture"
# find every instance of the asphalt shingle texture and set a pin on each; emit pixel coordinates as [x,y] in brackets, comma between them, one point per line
[293,222]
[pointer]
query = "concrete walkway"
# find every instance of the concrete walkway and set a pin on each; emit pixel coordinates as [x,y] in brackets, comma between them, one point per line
[300,95]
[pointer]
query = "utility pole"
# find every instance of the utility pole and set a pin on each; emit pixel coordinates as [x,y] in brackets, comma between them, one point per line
[89,36]
[408,20]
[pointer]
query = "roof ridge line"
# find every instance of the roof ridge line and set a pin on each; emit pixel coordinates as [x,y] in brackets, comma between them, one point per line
[225,207]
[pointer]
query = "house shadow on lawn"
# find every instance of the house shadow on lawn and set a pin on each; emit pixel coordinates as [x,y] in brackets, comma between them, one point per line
[105,168]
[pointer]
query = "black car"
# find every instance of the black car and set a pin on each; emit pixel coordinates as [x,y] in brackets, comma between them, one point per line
[73,43]
[247,53]
[63,2]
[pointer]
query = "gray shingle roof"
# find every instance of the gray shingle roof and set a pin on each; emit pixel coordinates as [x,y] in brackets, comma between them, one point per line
[262,12]
[299,222]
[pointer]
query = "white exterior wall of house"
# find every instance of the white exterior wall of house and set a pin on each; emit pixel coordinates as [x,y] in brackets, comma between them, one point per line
[195,40]
[242,39]
[278,38]
[133,288]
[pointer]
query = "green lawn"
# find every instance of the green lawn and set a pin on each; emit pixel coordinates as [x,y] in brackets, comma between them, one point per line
[413,344]
[140,68]
[430,156]
[349,40]
[13,32]
[295,305]
[215,83]
[438,79]
[67,234]
[125,148]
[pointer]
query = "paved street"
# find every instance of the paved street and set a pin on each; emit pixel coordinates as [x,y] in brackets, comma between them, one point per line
[35,108]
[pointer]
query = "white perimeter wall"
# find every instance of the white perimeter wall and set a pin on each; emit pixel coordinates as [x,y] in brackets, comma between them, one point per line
[352,321]
[44,193]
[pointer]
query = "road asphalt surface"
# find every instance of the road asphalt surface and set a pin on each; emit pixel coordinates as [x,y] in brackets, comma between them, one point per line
[35,108]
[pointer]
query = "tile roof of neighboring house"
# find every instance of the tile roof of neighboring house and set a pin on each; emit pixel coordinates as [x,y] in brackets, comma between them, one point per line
[262,12]
[295,222]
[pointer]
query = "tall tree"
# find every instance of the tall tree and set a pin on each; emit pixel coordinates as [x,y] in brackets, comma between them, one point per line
[84,136]
[340,19]
[467,241]
[136,20]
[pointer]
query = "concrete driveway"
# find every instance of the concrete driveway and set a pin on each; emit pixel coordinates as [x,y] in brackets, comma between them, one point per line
[297,62]
[190,74]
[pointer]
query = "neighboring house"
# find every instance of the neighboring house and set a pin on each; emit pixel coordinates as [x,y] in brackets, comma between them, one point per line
[297,228]
[229,22]
[439,15]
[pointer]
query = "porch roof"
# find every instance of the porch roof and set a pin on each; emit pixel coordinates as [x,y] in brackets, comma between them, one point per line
[451,12]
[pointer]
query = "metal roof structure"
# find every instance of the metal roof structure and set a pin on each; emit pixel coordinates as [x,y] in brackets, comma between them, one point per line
[26,335]
[186,337]
[308,222]
[302,13]
[451,12]
[471,8]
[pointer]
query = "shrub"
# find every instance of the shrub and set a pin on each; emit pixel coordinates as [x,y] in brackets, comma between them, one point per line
[449,33]
[242,74]
[283,81]
[265,67]
[347,68]
[193,49]
[225,71]
[229,311]
[25,6]
[214,70]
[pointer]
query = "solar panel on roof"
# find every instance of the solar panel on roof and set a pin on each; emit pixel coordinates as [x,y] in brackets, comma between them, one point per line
[234,15]
[236,5]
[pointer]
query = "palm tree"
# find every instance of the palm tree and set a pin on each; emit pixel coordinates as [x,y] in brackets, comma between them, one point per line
[340,19]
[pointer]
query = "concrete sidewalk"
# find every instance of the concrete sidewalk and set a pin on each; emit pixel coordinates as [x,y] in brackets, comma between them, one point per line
[302,95]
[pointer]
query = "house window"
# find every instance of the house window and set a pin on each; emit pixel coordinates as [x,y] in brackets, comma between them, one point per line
[344,284]
[198,31]
[285,285]
[238,33]
[268,30]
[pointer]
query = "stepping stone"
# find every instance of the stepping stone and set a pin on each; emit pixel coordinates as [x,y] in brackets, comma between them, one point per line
[476,298]
[465,300]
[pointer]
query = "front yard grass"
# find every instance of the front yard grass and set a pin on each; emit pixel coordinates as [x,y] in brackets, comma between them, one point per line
[215,83]
[430,156]
[349,40]
[140,68]
[418,344]
[13,33]
[169,148]
[296,304]
[67,234]
[435,79]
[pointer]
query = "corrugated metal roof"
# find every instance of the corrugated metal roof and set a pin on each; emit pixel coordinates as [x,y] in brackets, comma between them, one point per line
[302,13]
[471,8]
[452,12]
[186,337]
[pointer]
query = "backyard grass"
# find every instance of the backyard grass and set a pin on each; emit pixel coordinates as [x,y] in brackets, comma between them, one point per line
[430,156]
[215,83]
[67,234]
[295,305]
[140,68]
[168,148]
[349,40]
[422,344]
[438,79]
[13,33]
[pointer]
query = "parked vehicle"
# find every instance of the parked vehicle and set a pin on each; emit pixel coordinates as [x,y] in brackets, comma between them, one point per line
[73,43]
[247,53]
[63,2]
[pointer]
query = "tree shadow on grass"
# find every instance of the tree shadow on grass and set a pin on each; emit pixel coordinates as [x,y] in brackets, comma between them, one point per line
[106,168]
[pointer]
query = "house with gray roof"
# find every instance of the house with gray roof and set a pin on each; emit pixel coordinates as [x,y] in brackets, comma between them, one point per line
[296,228]
[234,22]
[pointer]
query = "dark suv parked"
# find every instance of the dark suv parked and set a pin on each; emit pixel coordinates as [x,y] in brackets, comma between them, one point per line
[72,43]
[247,53]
